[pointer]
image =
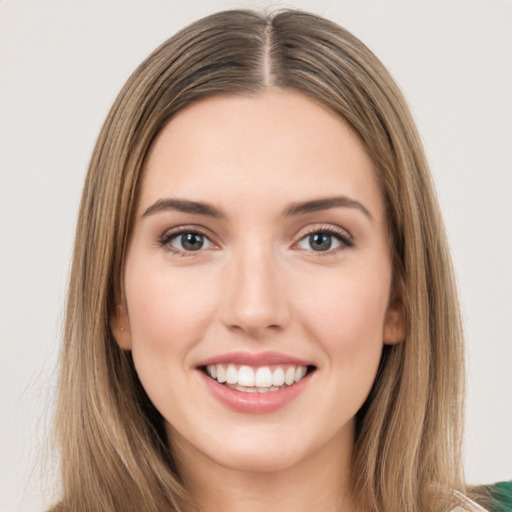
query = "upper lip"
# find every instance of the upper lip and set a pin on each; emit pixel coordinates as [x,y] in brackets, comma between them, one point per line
[255,359]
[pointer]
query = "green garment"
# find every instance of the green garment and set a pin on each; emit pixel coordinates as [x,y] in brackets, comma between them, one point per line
[502,497]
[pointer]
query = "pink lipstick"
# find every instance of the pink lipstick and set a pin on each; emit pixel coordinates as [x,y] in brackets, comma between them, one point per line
[255,383]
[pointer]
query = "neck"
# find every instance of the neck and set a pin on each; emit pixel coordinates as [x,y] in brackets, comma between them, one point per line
[318,482]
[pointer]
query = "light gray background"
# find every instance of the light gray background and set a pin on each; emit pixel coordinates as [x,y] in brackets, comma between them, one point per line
[61,65]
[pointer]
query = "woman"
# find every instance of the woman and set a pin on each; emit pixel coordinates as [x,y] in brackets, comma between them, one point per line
[261,309]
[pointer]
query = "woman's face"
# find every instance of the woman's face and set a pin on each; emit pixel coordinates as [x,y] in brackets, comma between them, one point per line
[259,255]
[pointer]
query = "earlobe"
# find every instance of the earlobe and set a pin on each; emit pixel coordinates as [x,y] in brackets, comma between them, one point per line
[395,325]
[120,327]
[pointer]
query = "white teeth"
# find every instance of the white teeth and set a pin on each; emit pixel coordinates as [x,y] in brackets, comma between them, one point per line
[278,377]
[263,377]
[300,372]
[212,371]
[245,389]
[289,377]
[231,375]
[253,389]
[246,376]
[252,380]
[221,374]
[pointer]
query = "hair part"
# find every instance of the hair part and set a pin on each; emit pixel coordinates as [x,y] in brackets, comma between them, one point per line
[408,443]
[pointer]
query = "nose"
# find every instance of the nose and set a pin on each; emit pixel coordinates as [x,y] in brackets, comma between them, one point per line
[255,300]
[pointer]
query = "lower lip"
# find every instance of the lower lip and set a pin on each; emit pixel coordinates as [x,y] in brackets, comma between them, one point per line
[254,403]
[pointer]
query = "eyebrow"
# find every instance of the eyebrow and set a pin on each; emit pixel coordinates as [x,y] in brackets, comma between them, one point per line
[301,208]
[185,206]
[325,204]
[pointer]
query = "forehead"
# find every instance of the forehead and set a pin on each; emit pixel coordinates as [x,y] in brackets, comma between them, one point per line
[278,144]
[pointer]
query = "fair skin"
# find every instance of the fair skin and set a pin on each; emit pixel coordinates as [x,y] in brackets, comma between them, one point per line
[263,278]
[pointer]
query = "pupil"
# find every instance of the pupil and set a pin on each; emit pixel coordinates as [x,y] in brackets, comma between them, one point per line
[320,241]
[192,241]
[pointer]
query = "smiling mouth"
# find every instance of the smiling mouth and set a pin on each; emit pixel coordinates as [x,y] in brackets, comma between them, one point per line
[261,379]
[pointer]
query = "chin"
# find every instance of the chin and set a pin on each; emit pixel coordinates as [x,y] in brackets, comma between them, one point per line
[258,461]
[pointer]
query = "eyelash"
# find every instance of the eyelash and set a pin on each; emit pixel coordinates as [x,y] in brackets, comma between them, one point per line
[343,237]
[168,236]
[345,240]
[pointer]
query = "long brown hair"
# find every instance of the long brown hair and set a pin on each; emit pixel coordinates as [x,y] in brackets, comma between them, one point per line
[408,441]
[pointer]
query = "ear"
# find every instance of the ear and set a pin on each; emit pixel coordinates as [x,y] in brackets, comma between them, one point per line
[395,325]
[120,327]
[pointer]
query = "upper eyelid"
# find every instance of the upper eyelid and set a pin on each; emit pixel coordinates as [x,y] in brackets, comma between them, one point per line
[319,228]
[192,228]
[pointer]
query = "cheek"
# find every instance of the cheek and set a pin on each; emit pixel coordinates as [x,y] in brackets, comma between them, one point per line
[168,309]
[168,313]
[346,314]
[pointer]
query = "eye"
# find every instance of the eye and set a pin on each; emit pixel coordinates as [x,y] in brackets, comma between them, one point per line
[325,240]
[186,241]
